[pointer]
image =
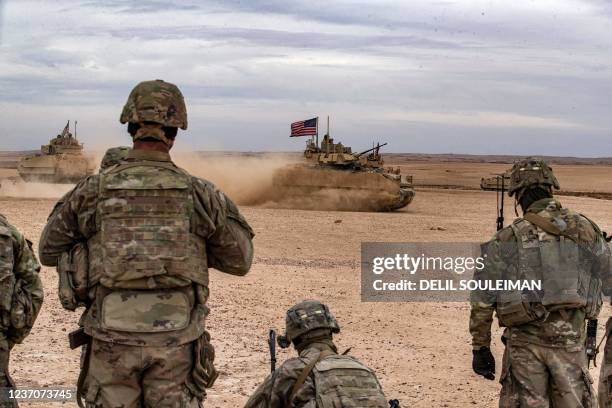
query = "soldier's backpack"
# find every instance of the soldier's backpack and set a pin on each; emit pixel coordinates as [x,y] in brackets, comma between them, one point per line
[560,261]
[341,381]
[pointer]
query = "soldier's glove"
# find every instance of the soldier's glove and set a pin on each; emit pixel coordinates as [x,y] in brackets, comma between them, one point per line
[483,363]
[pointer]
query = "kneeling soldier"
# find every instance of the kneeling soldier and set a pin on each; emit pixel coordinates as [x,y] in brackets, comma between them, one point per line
[319,377]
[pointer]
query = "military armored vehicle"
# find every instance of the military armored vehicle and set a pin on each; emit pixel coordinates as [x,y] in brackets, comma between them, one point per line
[60,161]
[333,177]
[496,183]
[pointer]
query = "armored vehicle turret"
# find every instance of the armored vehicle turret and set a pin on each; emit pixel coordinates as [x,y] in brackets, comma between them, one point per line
[60,161]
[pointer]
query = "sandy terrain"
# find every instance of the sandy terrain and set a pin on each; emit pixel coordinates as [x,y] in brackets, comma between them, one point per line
[420,351]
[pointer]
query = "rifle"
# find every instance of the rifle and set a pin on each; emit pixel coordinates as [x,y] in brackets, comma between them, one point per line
[497,184]
[591,342]
[272,347]
[394,403]
[500,202]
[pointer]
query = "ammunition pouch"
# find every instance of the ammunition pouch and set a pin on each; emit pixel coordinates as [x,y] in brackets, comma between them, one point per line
[73,270]
[513,310]
[145,311]
[22,313]
[203,374]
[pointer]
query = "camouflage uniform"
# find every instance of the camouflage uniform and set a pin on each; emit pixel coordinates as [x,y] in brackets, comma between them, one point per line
[21,294]
[152,231]
[114,156]
[333,380]
[605,373]
[544,363]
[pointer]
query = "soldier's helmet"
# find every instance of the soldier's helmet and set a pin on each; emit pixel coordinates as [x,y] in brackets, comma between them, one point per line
[113,156]
[158,102]
[305,317]
[529,173]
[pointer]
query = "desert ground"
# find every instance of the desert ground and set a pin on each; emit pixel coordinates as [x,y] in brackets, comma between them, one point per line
[421,352]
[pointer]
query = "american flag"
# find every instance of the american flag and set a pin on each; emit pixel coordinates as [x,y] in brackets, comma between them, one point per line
[66,129]
[304,128]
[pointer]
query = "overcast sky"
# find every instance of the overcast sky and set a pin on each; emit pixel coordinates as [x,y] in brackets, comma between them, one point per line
[482,77]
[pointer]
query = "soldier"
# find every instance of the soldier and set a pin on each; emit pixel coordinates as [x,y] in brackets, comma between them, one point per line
[152,232]
[319,376]
[605,373]
[21,295]
[545,363]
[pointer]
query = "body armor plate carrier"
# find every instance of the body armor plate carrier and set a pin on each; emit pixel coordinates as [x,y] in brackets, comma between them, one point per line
[150,260]
[561,263]
[145,235]
[342,381]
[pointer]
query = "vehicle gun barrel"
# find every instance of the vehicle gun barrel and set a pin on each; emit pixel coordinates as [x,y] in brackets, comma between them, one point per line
[369,150]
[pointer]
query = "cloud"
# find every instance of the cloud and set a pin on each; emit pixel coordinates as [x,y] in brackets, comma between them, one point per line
[249,68]
[486,119]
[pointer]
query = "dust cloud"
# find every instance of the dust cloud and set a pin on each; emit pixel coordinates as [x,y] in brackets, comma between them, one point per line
[247,180]
[21,189]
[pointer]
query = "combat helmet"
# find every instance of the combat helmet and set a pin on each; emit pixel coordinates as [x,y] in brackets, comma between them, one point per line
[156,102]
[531,172]
[306,317]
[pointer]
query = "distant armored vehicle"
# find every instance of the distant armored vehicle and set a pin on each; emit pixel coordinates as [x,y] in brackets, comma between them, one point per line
[333,176]
[60,161]
[496,183]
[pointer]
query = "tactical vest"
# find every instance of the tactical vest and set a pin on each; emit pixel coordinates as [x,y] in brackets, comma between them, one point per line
[342,381]
[144,229]
[149,258]
[563,266]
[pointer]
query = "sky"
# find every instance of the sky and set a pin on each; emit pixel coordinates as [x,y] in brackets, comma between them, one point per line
[467,77]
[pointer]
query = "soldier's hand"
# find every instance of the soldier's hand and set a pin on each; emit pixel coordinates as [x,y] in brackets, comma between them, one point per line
[483,363]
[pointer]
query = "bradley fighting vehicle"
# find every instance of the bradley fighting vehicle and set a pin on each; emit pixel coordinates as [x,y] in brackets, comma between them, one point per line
[332,176]
[496,183]
[60,161]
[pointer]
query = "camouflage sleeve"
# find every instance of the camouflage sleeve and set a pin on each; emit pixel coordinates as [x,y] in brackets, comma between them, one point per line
[496,258]
[229,238]
[261,396]
[71,221]
[27,269]
[275,390]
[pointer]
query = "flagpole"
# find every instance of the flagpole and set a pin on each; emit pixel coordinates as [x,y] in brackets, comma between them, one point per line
[317,132]
[328,135]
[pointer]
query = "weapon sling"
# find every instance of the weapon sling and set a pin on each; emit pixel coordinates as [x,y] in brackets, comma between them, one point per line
[305,373]
[547,226]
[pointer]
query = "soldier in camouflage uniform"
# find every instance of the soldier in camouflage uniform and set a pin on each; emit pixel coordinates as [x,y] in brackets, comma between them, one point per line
[545,363]
[605,373]
[21,295]
[319,377]
[152,231]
